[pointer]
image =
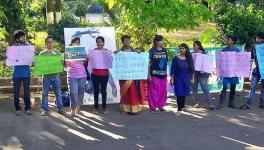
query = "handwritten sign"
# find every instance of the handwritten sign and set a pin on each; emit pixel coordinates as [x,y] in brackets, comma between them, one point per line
[47,64]
[243,64]
[203,62]
[100,59]
[75,53]
[260,56]
[130,66]
[19,55]
[233,64]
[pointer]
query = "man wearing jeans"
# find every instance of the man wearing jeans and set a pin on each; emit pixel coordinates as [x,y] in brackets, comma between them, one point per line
[255,78]
[50,80]
[233,81]
[21,74]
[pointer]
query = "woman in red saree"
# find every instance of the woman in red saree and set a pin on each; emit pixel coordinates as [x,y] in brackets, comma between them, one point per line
[133,93]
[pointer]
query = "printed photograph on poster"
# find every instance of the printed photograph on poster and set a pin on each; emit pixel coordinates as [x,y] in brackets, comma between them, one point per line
[88,36]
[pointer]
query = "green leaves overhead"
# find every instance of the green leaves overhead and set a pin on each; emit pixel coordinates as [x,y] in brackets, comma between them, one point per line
[142,18]
[244,22]
[168,14]
[110,3]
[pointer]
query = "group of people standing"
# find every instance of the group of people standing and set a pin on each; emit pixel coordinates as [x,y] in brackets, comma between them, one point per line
[183,77]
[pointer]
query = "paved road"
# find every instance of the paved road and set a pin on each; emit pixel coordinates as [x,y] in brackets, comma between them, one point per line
[196,129]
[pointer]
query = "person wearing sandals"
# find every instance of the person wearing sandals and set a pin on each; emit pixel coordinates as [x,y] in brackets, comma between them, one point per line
[255,77]
[76,77]
[132,92]
[51,80]
[100,75]
[157,91]
[21,74]
[201,78]
[182,75]
[233,81]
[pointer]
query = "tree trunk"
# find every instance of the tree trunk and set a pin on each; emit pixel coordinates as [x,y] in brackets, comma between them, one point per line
[49,13]
[58,10]
[11,38]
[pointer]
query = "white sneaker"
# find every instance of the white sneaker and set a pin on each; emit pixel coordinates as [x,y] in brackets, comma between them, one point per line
[44,113]
[178,113]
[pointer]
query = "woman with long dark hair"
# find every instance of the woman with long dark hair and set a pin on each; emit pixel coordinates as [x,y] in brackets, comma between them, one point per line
[182,75]
[201,78]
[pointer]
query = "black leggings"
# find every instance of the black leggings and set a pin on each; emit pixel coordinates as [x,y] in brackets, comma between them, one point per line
[180,102]
[100,83]
[231,95]
[16,84]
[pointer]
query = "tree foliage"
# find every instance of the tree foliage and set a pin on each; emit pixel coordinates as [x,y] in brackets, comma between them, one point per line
[12,17]
[141,19]
[244,22]
[67,21]
[22,14]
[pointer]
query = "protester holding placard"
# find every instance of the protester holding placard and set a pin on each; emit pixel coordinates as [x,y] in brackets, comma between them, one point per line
[201,78]
[255,77]
[49,80]
[76,76]
[21,74]
[182,75]
[233,81]
[100,59]
[157,92]
[132,91]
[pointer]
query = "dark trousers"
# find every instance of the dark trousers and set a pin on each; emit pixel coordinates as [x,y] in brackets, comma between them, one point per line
[231,95]
[180,102]
[16,84]
[100,84]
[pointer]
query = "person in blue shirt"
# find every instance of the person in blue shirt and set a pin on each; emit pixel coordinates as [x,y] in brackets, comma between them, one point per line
[182,75]
[21,74]
[255,77]
[233,81]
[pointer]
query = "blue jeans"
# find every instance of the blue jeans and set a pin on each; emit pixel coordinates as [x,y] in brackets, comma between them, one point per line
[203,80]
[17,83]
[252,94]
[76,88]
[47,82]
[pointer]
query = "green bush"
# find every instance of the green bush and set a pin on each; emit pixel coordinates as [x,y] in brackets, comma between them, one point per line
[244,22]
[207,36]
[5,71]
